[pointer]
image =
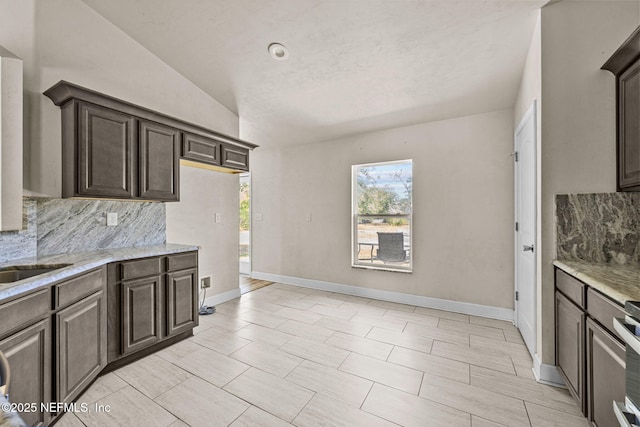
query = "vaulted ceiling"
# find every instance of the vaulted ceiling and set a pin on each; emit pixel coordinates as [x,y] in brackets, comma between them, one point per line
[354,65]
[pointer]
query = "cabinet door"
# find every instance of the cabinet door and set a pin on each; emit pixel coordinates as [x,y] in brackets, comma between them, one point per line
[81,345]
[605,375]
[629,129]
[29,358]
[235,157]
[159,161]
[140,312]
[105,152]
[182,301]
[200,149]
[570,326]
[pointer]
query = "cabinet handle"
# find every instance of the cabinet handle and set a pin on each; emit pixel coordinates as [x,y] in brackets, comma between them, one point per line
[625,418]
[624,327]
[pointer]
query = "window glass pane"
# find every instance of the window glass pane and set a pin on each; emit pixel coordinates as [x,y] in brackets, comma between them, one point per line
[384,242]
[384,188]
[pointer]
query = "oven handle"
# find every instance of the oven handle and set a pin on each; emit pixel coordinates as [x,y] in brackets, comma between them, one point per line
[622,327]
[625,418]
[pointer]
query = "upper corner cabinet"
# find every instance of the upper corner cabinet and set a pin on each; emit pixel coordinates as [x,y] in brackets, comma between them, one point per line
[625,65]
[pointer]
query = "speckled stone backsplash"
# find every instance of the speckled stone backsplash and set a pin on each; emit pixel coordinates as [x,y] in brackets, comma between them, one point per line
[54,226]
[602,227]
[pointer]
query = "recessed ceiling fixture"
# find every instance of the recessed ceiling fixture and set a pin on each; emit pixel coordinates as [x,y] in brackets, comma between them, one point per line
[278,51]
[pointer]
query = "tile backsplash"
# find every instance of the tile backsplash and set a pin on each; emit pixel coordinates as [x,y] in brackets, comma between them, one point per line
[56,226]
[601,227]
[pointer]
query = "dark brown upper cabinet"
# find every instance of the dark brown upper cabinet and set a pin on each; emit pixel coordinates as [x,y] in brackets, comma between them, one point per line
[625,65]
[115,149]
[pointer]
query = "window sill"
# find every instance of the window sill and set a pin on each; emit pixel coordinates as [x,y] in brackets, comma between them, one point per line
[382,268]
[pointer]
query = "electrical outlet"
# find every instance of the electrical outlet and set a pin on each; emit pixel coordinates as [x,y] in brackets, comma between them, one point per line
[218,217]
[258,217]
[112,219]
[205,282]
[308,217]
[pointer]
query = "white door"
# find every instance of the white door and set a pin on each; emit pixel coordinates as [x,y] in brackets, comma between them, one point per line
[525,250]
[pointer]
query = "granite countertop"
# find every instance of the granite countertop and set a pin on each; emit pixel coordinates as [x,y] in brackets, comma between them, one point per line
[621,283]
[80,262]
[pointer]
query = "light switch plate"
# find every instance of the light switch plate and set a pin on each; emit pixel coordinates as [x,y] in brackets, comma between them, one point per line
[218,217]
[258,217]
[112,219]
[308,217]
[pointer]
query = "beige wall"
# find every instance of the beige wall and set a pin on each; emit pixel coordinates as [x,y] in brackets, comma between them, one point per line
[65,39]
[578,116]
[463,209]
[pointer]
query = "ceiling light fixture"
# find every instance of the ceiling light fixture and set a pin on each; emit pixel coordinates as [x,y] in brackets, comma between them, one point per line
[278,51]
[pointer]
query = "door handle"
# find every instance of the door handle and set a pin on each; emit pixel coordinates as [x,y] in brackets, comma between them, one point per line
[526,248]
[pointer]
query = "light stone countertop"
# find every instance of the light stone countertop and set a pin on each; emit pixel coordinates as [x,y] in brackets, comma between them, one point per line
[80,262]
[621,283]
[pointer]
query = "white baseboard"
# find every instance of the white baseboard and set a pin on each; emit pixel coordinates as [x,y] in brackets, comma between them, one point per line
[546,374]
[417,300]
[214,300]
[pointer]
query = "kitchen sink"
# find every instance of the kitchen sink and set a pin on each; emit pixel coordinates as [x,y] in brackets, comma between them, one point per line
[13,274]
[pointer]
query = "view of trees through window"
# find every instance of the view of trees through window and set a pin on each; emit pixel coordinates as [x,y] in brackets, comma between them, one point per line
[382,214]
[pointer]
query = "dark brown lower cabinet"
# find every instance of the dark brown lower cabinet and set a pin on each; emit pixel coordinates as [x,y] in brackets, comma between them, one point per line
[81,345]
[605,375]
[140,315]
[29,355]
[182,301]
[570,357]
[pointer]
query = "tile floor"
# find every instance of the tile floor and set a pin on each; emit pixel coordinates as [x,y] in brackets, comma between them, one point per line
[284,355]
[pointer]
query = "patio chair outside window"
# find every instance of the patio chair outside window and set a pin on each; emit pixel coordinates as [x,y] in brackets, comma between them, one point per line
[391,247]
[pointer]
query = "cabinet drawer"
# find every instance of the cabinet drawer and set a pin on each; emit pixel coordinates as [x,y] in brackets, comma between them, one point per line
[24,310]
[200,149]
[78,287]
[235,157]
[140,268]
[603,310]
[182,261]
[571,287]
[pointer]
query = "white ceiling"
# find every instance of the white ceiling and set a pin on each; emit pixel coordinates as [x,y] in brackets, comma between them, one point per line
[354,65]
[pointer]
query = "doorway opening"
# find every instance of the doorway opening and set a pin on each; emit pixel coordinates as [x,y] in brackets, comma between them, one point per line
[244,250]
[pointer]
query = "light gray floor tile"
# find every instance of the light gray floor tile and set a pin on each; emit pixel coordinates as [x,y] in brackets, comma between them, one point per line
[513,336]
[219,320]
[199,403]
[420,319]
[468,328]
[481,422]
[267,358]
[362,307]
[408,410]
[524,389]
[321,298]
[478,401]
[541,416]
[346,326]
[392,305]
[348,388]
[494,323]
[442,314]
[396,376]
[365,346]
[256,417]
[380,322]
[179,350]
[315,351]
[179,423]
[264,335]
[500,347]
[325,411]
[304,330]
[430,365]
[152,375]
[268,320]
[279,397]
[261,304]
[219,340]
[69,420]
[340,312]
[102,387]
[127,407]
[401,339]
[211,366]
[305,316]
[436,334]
[524,367]
[473,356]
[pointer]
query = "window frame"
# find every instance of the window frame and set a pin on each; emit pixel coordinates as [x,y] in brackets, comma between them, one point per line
[355,262]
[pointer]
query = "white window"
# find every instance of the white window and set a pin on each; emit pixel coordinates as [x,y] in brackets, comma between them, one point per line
[382,215]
